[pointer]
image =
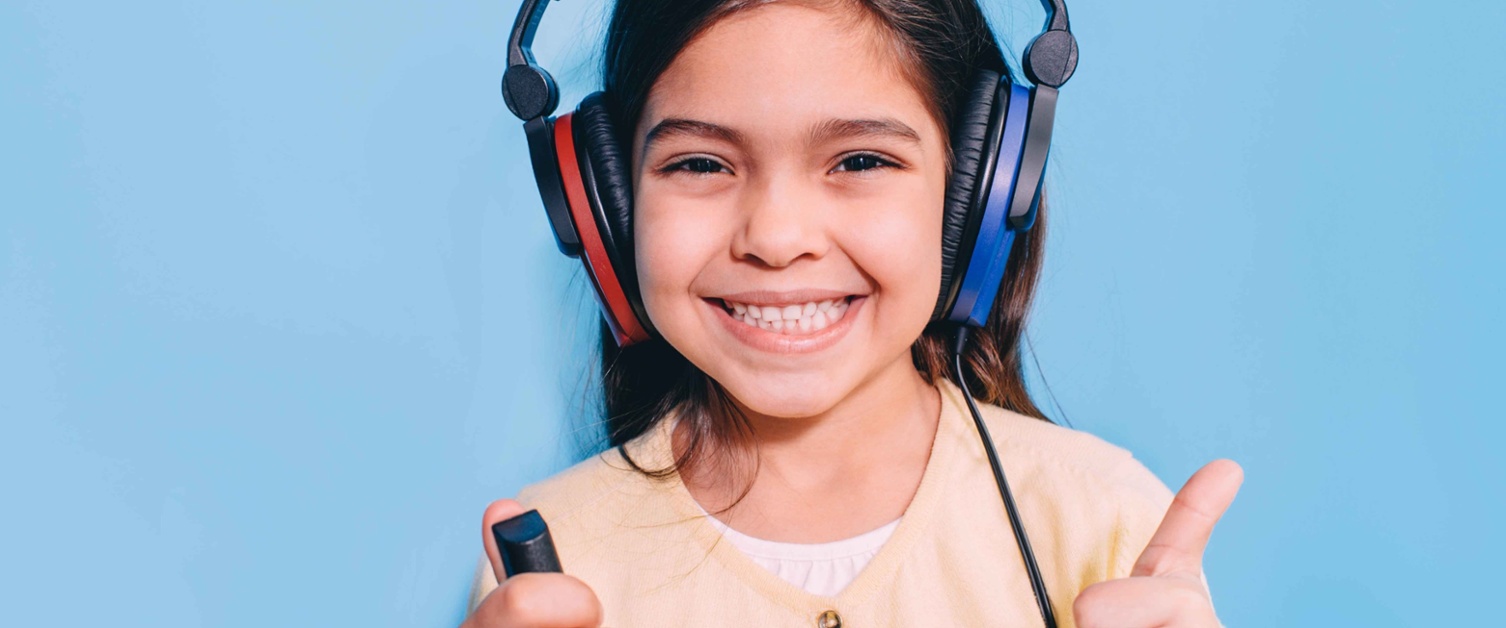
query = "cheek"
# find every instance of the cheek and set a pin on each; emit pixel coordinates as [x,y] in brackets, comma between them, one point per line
[672,243]
[899,248]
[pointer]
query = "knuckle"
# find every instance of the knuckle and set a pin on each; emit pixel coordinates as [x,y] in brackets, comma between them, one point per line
[534,599]
[593,614]
[1091,608]
[522,598]
[1194,507]
[488,614]
[1158,559]
[1189,596]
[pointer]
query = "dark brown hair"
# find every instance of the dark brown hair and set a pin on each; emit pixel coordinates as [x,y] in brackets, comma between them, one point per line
[942,43]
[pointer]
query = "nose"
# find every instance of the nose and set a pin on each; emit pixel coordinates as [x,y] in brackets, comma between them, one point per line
[783,222]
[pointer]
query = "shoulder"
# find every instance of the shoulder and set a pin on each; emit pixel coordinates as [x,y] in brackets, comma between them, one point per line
[1100,503]
[1070,455]
[615,499]
[584,488]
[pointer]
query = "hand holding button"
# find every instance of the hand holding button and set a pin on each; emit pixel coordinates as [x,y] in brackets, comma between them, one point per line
[530,599]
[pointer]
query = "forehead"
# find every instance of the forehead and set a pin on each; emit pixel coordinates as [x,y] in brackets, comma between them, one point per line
[781,67]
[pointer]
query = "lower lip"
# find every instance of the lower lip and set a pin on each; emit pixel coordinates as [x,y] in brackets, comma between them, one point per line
[774,342]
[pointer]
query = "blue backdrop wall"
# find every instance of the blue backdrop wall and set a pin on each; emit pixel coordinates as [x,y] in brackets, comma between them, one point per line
[279,311]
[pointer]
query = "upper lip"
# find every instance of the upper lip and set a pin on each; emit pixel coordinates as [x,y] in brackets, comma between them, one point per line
[772,297]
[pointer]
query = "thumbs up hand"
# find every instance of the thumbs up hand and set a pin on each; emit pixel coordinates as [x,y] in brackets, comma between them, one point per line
[1166,588]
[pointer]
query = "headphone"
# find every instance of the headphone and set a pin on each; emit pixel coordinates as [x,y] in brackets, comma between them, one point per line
[1000,142]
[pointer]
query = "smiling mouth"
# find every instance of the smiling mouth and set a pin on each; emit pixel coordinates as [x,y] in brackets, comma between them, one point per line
[792,319]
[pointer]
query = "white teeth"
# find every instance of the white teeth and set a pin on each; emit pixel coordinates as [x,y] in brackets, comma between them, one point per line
[802,318]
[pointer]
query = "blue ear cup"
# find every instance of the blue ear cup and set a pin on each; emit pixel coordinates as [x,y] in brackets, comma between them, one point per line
[995,235]
[973,138]
[1000,142]
[988,144]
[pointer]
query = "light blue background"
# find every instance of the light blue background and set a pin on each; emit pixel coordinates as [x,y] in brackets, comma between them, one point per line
[279,312]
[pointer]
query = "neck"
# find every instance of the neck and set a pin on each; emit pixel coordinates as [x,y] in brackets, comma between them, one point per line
[865,454]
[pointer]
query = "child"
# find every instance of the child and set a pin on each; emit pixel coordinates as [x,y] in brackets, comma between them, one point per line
[792,440]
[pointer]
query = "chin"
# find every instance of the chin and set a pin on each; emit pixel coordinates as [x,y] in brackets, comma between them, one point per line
[790,396]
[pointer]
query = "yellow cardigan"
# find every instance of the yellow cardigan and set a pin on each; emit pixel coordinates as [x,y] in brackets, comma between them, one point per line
[651,557]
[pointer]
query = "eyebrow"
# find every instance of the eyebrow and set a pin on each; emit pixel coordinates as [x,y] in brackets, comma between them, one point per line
[881,127]
[822,132]
[671,127]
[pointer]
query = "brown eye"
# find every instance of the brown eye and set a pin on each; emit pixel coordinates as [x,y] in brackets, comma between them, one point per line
[863,161]
[696,165]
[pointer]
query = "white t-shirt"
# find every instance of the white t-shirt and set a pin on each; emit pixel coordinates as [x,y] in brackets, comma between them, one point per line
[818,568]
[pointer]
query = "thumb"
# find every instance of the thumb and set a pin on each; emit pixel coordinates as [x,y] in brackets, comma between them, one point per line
[1177,546]
[498,511]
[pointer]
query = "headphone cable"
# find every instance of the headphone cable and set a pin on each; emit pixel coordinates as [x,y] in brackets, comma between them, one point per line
[1037,584]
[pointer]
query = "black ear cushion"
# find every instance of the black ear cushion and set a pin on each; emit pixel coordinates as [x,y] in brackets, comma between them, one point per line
[596,142]
[969,139]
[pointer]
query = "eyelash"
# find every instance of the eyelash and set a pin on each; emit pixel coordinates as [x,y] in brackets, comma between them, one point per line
[878,161]
[681,166]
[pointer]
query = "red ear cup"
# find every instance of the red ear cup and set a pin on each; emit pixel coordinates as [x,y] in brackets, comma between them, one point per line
[607,173]
[616,308]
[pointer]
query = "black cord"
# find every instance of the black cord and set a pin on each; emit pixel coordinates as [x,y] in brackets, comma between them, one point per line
[1037,584]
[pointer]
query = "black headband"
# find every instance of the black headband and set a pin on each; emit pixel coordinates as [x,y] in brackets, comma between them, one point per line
[530,92]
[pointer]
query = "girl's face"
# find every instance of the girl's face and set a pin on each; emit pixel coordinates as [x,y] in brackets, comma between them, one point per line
[789,182]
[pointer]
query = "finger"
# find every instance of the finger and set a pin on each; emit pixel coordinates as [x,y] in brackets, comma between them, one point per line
[541,600]
[1143,602]
[1177,546]
[496,512]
